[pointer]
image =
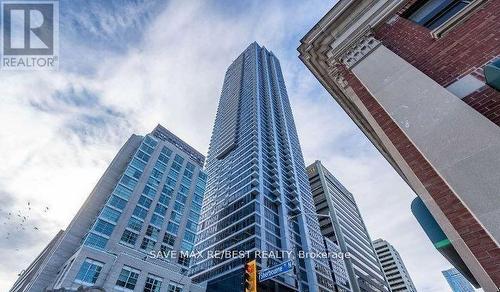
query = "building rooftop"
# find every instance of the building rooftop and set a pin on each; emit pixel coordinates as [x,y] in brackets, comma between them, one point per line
[162,133]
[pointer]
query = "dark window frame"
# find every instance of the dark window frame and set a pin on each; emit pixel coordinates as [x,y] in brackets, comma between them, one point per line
[437,16]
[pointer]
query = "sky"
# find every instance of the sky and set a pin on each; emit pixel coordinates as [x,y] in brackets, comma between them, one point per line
[126,66]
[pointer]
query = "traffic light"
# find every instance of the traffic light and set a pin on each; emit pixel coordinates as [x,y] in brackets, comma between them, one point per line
[251,276]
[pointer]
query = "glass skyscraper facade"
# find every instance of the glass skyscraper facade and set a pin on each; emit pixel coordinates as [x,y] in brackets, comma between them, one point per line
[147,203]
[341,222]
[257,196]
[157,201]
[457,281]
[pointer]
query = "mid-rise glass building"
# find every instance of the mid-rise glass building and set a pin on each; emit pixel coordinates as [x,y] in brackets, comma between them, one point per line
[257,196]
[394,269]
[147,203]
[338,266]
[341,222]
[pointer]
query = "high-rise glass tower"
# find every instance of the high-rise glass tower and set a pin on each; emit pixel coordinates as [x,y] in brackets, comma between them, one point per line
[257,195]
[341,222]
[457,281]
[147,203]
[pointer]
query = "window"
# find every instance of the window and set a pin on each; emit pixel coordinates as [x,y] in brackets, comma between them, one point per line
[142,155]
[156,174]
[186,246]
[96,241]
[129,237]
[144,201]
[196,207]
[117,202]
[89,272]
[190,166]
[194,216]
[149,191]
[189,236]
[147,149]
[175,217]
[128,181]
[133,172]
[173,173]
[150,141]
[181,198]
[433,13]
[179,207]
[160,165]
[128,278]
[163,158]
[104,227]
[197,198]
[169,239]
[134,224]
[190,225]
[202,175]
[172,227]
[200,188]
[186,182]
[153,284]
[156,220]
[183,260]
[138,164]
[122,191]
[166,151]
[164,199]
[160,209]
[153,182]
[167,191]
[110,214]
[147,244]
[187,173]
[176,166]
[140,212]
[170,182]
[152,232]
[179,159]
[174,287]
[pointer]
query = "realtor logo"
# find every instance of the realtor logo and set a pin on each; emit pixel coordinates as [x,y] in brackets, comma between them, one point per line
[30,35]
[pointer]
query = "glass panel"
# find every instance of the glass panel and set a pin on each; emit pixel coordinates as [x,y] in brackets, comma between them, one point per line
[110,214]
[89,271]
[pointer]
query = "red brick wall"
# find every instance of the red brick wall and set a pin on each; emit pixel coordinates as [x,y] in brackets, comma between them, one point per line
[475,237]
[486,102]
[464,49]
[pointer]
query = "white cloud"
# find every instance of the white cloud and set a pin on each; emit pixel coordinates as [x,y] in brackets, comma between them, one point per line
[53,154]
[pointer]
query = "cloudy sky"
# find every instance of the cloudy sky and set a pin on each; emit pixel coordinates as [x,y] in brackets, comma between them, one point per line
[127,66]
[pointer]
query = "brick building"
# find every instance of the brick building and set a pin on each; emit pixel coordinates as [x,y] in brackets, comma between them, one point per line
[421,80]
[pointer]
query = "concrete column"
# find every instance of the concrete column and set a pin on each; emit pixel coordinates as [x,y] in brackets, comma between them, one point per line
[461,145]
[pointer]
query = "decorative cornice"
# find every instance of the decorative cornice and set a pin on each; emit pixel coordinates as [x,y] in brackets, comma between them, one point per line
[344,36]
[352,55]
[359,49]
[346,32]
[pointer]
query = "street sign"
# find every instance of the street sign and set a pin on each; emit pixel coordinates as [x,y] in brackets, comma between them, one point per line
[275,271]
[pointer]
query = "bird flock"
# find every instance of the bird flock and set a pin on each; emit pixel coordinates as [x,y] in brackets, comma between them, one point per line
[21,219]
